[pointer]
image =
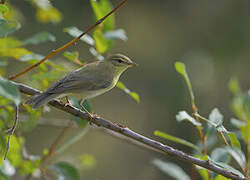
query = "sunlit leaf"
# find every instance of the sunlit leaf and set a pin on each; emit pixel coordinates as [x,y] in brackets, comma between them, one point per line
[101,8]
[66,171]
[234,141]
[72,56]
[181,69]
[51,75]
[14,52]
[171,169]
[132,94]
[9,42]
[40,38]
[10,91]
[102,44]
[87,160]
[29,166]
[220,177]
[116,34]
[234,86]
[75,32]
[3,8]
[48,15]
[245,131]
[176,139]
[204,173]
[183,115]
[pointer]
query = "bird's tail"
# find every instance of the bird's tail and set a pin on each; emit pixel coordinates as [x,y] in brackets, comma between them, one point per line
[40,99]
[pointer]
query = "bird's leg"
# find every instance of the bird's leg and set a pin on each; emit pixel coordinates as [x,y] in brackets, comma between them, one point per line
[91,116]
[67,101]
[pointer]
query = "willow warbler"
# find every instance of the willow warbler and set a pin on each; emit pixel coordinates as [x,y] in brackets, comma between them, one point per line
[89,81]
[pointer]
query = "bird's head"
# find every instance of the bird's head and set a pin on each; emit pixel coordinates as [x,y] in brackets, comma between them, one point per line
[120,62]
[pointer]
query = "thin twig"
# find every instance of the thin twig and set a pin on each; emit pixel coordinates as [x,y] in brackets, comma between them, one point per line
[133,136]
[54,52]
[11,131]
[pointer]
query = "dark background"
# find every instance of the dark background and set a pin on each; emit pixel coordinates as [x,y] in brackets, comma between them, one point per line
[210,37]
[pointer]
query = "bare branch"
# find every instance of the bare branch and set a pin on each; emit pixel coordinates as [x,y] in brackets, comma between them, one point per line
[131,136]
[72,42]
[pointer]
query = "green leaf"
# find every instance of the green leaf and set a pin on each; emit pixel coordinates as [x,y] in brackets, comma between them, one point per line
[7,28]
[116,34]
[87,161]
[220,155]
[3,9]
[47,15]
[72,56]
[216,117]
[234,86]
[10,91]
[204,173]
[237,123]
[245,132]
[234,141]
[181,69]
[75,32]
[51,75]
[171,169]
[175,139]
[14,52]
[238,156]
[219,127]
[183,115]
[132,94]
[102,44]
[40,38]
[230,168]
[220,177]
[101,8]
[66,171]
[9,42]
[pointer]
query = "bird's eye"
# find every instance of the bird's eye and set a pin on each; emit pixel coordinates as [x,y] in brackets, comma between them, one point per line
[120,61]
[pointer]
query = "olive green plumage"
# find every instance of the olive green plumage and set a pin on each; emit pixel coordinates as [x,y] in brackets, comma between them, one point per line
[89,81]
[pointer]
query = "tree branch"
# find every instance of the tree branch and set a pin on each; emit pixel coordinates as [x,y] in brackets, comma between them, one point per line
[131,136]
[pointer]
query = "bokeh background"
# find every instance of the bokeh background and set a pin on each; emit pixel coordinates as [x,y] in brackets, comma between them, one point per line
[210,37]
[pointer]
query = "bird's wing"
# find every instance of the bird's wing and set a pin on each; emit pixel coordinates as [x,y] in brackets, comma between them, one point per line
[79,80]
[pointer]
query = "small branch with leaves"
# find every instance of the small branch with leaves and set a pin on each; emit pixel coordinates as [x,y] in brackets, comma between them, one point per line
[136,138]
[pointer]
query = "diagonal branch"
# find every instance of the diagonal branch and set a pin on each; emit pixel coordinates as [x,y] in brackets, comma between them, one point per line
[72,42]
[133,137]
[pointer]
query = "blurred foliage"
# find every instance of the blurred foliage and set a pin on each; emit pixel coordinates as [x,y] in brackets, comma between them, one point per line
[12,48]
[221,155]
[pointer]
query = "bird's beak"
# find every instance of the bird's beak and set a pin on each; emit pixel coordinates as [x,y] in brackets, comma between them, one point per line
[132,64]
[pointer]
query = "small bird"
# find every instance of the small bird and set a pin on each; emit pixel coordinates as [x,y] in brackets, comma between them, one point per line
[87,82]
